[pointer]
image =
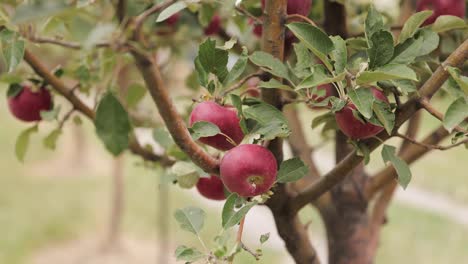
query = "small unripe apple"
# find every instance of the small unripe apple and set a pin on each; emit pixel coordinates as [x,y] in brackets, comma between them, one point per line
[225,117]
[27,104]
[248,170]
[214,26]
[442,7]
[353,127]
[211,188]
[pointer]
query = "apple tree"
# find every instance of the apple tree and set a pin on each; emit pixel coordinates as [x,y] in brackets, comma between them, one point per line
[255,65]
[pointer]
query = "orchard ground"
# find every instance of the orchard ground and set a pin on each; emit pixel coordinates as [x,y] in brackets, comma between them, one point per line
[55,208]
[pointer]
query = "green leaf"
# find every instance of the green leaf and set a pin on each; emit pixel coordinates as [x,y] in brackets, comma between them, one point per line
[381,49]
[14,89]
[447,22]
[373,23]
[462,81]
[162,137]
[456,113]
[264,238]
[188,254]
[412,24]
[205,14]
[203,129]
[322,119]
[50,115]
[430,41]
[363,99]
[402,169]
[136,92]
[10,78]
[231,217]
[186,174]
[384,114]
[304,60]
[171,10]
[274,84]
[337,104]
[271,121]
[13,53]
[22,142]
[201,73]
[387,72]
[270,64]
[213,60]
[238,68]
[363,151]
[357,43]
[292,170]
[319,77]
[190,219]
[340,54]
[50,141]
[407,51]
[315,39]
[98,34]
[112,124]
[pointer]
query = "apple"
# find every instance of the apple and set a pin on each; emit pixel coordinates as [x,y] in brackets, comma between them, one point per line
[442,7]
[248,170]
[27,104]
[214,26]
[353,127]
[225,117]
[172,20]
[211,188]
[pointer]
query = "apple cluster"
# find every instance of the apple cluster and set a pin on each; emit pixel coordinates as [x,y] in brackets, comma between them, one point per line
[245,169]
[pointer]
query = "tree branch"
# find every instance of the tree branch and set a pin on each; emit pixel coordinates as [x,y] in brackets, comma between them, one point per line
[435,113]
[61,88]
[294,17]
[458,57]
[140,19]
[431,147]
[148,68]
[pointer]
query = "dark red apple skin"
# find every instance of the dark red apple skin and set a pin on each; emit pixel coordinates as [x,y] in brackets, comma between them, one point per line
[246,161]
[172,20]
[442,7]
[211,188]
[354,128]
[27,105]
[225,117]
[214,26]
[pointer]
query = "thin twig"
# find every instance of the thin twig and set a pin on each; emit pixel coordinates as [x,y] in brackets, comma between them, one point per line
[248,250]
[66,117]
[242,10]
[239,84]
[424,103]
[413,141]
[140,19]
[292,18]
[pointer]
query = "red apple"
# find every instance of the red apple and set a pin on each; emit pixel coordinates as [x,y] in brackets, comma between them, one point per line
[211,188]
[172,20]
[353,127]
[225,117]
[248,170]
[442,7]
[27,105]
[214,26]
[257,29]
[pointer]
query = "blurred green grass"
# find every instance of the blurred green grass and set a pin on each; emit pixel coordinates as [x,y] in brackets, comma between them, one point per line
[37,210]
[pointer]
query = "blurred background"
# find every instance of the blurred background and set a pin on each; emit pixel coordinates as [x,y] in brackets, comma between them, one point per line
[79,205]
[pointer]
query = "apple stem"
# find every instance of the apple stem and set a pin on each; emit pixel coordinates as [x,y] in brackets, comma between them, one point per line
[291,18]
[229,139]
[240,231]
